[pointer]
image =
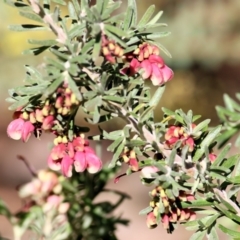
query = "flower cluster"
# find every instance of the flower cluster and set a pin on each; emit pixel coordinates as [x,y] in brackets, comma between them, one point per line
[66,154]
[146,58]
[42,117]
[178,133]
[111,50]
[45,191]
[129,157]
[169,210]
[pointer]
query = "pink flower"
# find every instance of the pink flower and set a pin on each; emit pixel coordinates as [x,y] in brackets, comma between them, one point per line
[27,130]
[14,129]
[80,162]
[58,151]
[66,166]
[53,164]
[94,164]
[212,157]
[165,221]
[133,163]
[151,220]
[146,58]
[147,171]
[48,122]
[19,129]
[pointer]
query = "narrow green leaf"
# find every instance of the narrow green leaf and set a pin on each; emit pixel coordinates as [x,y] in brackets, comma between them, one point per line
[61,2]
[128,19]
[147,114]
[197,203]
[163,49]
[147,15]
[116,155]
[132,4]
[158,35]
[171,158]
[225,136]
[156,18]
[145,210]
[31,16]
[73,86]
[234,180]
[49,42]
[18,4]
[35,51]
[115,38]
[157,96]
[115,30]
[206,142]
[114,99]
[213,234]
[115,144]
[221,155]
[237,168]
[27,27]
[229,232]
[199,235]
[53,86]
[228,102]
[201,126]
[96,48]
[21,103]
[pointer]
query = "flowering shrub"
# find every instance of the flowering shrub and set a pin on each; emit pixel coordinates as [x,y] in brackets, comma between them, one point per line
[101,64]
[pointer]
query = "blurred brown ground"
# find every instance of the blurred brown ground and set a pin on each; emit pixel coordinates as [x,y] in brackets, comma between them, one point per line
[195,86]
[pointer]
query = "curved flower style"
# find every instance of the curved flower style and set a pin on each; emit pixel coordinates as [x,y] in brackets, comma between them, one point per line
[66,155]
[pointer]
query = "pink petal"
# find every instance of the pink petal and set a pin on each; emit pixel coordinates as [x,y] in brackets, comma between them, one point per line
[147,67]
[147,171]
[27,129]
[134,66]
[48,122]
[94,164]
[156,59]
[80,162]
[70,149]
[157,76]
[167,73]
[55,165]
[14,129]
[58,151]
[66,166]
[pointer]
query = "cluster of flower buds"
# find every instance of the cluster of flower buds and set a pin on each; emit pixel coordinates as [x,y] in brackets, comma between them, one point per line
[64,100]
[42,117]
[129,157]
[169,210]
[178,133]
[146,57]
[66,154]
[111,50]
[45,191]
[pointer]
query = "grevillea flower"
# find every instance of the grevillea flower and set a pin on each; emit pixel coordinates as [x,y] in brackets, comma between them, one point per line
[94,164]
[212,157]
[66,155]
[146,58]
[20,129]
[151,220]
[177,133]
[14,129]
[148,171]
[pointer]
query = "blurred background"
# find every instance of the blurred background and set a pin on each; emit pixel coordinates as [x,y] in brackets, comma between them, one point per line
[205,48]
